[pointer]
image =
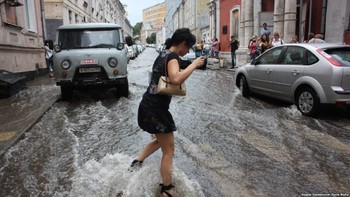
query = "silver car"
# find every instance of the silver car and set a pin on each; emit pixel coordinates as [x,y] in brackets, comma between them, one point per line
[308,75]
[90,55]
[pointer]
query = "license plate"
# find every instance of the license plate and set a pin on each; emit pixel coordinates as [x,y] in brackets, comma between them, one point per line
[90,70]
[88,61]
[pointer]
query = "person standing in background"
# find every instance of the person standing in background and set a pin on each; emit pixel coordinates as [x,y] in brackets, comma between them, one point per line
[294,39]
[199,48]
[318,38]
[264,43]
[234,46]
[276,40]
[48,58]
[265,30]
[216,47]
[253,45]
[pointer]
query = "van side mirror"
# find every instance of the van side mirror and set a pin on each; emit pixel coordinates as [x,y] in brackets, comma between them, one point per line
[57,48]
[128,40]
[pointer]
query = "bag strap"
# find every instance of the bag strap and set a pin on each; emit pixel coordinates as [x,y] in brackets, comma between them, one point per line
[166,72]
[165,64]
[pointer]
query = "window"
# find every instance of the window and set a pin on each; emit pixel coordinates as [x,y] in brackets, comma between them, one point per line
[235,23]
[310,58]
[11,16]
[271,56]
[30,16]
[224,29]
[293,55]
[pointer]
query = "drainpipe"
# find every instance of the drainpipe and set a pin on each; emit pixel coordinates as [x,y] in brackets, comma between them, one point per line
[43,22]
[214,8]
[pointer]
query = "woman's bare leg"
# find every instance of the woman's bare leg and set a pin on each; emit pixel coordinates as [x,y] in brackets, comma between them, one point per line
[150,148]
[166,142]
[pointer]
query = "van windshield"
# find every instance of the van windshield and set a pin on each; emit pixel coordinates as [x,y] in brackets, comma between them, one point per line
[91,38]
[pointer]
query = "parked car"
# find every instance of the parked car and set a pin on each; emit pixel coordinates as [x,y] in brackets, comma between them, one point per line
[131,52]
[308,75]
[90,55]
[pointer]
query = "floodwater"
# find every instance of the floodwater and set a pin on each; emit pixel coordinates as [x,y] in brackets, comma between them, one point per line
[226,145]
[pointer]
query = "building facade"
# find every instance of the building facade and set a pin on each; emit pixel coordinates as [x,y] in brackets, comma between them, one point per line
[153,21]
[287,17]
[192,14]
[21,37]
[171,7]
[61,12]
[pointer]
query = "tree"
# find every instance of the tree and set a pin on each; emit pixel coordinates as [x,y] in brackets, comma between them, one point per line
[152,39]
[137,29]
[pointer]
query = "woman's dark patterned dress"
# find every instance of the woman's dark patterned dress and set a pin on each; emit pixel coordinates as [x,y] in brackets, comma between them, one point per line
[153,113]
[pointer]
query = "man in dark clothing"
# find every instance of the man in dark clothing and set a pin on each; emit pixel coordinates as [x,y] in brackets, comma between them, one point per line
[234,46]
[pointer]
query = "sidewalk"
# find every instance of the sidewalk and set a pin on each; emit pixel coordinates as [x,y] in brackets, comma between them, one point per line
[20,112]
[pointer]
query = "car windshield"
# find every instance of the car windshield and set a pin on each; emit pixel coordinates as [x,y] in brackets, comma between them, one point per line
[341,54]
[92,38]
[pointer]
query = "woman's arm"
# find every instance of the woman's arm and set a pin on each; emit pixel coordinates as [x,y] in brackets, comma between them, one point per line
[176,76]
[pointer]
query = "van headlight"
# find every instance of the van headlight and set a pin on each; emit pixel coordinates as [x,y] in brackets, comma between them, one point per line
[112,62]
[65,64]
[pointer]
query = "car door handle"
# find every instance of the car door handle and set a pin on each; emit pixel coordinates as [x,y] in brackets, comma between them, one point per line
[296,72]
[268,71]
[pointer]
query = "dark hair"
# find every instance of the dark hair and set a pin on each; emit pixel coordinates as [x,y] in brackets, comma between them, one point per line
[167,43]
[311,35]
[180,35]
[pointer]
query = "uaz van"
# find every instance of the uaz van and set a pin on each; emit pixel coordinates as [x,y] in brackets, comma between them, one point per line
[90,55]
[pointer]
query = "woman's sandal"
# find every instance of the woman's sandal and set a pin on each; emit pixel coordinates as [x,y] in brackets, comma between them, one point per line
[164,189]
[135,165]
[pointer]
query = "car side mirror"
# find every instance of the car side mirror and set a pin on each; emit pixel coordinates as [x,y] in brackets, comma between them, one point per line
[128,40]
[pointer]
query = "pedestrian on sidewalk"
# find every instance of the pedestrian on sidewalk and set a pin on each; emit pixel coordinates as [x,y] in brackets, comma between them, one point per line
[48,58]
[216,48]
[153,113]
[276,40]
[234,46]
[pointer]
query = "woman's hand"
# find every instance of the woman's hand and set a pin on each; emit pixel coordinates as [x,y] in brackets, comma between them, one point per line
[199,61]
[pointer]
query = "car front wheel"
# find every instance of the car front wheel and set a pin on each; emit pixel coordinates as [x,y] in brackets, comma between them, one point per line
[307,101]
[243,86]
[123,89]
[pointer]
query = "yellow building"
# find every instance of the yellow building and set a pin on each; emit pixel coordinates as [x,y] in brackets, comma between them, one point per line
[153,20]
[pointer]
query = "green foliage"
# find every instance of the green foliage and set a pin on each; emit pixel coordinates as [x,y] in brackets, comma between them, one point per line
[152,39]
[137,29]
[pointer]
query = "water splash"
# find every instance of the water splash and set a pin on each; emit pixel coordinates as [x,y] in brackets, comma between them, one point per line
[110,177]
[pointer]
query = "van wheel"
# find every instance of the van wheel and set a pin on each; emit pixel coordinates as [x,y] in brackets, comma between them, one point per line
[307,101]
[67,93]
[243,86]
[123,89]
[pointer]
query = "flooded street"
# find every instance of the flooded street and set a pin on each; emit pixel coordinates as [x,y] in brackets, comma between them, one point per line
[226,145]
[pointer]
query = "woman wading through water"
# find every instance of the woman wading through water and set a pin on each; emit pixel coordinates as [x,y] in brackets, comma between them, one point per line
[153,113]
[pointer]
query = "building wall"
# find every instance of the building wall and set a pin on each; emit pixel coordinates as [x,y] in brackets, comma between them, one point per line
[338,15]
[225,22]
[61,12]
[153,20]
[202,19]
[170,18]
[21,44]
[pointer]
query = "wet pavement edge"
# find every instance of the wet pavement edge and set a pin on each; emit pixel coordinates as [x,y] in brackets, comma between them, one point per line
[11,130]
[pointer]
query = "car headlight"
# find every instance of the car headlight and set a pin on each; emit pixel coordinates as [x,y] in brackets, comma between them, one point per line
[112,62]
[65,64]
